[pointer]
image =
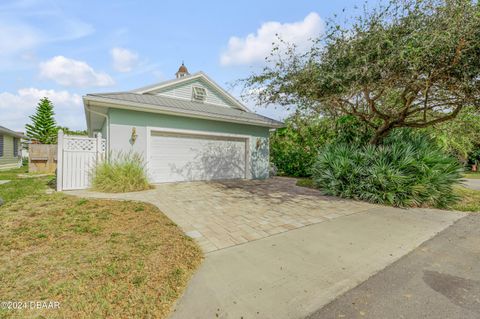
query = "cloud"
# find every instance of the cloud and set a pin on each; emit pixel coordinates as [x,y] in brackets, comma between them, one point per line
[124,60]
[256,46]
[26,26]
[17,37]
[73,73]
[17,107]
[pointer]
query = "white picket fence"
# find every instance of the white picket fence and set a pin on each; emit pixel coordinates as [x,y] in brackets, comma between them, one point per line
[76,158]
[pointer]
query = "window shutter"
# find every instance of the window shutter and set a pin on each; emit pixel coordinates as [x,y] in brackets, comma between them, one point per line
[1,145]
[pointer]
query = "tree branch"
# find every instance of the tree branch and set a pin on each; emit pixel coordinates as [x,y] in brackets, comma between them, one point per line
[371,104]
[417,124]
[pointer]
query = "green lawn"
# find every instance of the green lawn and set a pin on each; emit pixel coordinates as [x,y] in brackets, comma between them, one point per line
[18,187]
[305,182]
[98,258]
[469,199]
[472,175]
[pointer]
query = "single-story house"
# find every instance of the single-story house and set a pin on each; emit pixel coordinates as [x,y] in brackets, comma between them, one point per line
[10,148]
[186,129]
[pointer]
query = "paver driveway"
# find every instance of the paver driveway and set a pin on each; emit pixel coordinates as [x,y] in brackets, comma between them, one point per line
[227,213]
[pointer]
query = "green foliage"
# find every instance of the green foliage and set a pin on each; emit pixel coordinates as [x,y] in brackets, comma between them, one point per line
[461,136]
[43,127]
[123,172]
[409,169]
[408,63]
[294,147]
[474,156]
[68,131]
[350,130]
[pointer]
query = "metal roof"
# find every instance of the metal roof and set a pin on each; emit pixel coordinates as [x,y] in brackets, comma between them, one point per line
[10,132]
[183,107]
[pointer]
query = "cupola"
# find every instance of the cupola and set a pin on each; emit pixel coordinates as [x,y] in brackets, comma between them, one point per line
[182,71]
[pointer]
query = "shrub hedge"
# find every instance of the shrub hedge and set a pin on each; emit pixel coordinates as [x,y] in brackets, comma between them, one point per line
[294,148]
[408,169]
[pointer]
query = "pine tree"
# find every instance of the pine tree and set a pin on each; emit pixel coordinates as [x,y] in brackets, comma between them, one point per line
[43,127]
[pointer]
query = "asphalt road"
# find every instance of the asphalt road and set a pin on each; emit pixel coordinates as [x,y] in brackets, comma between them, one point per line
[440,279]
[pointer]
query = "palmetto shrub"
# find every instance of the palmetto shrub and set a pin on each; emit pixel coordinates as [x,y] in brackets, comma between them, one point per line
[123,172]
[408,169]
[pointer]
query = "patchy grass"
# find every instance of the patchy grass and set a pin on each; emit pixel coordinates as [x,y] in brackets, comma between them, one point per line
[18,187]
[12,173]
[469,200]
[98,258]
[305,182]
[473,175]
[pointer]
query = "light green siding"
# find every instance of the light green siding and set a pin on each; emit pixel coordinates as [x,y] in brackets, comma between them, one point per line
[123,121]
[126,117]
[8,160]
[184,91]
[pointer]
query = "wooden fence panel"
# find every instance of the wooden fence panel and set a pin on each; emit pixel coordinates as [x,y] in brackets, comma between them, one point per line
[42,158]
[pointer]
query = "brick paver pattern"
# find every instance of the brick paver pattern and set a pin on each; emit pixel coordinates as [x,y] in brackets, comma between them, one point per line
[227,213]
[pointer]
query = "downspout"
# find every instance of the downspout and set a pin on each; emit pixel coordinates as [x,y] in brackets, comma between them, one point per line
[107,123]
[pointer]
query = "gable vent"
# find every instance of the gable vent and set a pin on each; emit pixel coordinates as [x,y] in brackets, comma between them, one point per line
[199,94]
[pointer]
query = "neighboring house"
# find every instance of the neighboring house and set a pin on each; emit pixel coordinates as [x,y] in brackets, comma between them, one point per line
[10,148]
[187,129]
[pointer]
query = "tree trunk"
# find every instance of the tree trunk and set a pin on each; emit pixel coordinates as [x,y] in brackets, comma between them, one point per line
[381,133]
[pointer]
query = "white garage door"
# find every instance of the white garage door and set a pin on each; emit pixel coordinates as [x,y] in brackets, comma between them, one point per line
[182,157]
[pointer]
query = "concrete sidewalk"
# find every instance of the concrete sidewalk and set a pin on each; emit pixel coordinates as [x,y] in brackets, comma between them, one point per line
[292,274]
[472,183]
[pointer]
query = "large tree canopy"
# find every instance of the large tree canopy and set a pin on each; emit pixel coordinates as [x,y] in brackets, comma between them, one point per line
[408,64]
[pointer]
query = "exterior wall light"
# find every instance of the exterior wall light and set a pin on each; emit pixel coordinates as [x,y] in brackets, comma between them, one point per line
[259,143]
[134,136]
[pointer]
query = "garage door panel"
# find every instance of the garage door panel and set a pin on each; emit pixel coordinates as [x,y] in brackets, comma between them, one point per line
[177,157]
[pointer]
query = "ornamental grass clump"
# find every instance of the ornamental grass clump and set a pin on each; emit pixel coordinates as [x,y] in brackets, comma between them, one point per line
[123,172]
[408,169]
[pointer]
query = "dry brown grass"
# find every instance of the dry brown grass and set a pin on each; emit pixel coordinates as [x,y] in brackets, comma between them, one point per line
[98,258]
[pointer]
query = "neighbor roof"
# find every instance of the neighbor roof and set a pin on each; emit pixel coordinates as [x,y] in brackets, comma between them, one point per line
[162,104]
[5,130]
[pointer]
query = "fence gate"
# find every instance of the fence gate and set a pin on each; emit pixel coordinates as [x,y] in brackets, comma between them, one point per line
[76,158]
